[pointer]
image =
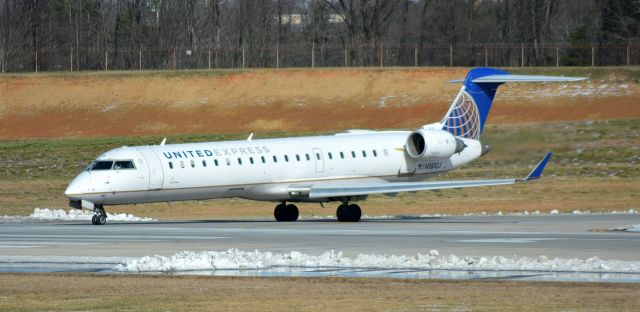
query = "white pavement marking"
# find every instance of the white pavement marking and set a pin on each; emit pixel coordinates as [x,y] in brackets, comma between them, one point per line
[509,240]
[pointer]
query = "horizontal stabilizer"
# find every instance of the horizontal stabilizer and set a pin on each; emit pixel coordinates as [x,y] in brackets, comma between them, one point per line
[537,170]
[524,78]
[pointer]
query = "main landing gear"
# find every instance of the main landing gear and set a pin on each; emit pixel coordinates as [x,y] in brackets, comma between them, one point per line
[99,216]
[348,213]
[287,213]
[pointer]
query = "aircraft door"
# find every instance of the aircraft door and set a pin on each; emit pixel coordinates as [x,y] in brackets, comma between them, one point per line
[156,173]
[319,159]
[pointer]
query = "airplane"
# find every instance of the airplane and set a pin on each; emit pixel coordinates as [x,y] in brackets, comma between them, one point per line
[345,167]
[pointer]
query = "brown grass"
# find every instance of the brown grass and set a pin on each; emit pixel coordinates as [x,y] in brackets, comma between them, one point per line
[270,100]
[65,292]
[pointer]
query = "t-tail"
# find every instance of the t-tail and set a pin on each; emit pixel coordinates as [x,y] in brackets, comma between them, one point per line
[469,111]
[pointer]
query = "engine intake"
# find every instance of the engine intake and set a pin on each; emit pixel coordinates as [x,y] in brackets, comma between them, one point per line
[435,144]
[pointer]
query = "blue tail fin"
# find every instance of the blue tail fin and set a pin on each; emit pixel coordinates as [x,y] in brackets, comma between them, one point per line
[469,111]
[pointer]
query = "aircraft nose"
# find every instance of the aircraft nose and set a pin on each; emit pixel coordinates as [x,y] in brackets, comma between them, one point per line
[74,189]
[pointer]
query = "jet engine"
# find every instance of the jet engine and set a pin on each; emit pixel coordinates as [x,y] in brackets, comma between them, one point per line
[433,144]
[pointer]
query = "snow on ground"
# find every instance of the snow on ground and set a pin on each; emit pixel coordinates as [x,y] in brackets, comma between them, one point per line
[234,259]
[633,228]
[45,214]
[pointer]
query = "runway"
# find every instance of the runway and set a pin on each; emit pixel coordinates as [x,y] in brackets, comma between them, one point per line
[564,236]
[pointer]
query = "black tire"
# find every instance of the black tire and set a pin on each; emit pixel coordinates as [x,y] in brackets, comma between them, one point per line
[292,213]
[354,212]
[102,219]
[94,220]
[341,213]
[280,213]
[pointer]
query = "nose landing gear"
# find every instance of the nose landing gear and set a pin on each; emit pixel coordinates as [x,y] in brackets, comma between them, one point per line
[100,216]
[286,213]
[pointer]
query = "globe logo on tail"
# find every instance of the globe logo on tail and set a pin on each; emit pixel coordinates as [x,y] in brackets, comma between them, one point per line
[463,119]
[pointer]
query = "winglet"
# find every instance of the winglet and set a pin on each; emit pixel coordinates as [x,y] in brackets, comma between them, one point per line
[537,170]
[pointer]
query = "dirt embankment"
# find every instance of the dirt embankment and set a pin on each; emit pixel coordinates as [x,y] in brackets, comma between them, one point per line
[161,103]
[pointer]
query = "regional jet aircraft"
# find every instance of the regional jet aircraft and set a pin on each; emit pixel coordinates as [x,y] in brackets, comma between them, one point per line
[344,168]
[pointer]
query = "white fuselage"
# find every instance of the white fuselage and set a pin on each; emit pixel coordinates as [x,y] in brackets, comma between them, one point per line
[267,169]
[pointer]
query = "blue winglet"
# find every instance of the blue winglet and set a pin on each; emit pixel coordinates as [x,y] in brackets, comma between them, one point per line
[537,171]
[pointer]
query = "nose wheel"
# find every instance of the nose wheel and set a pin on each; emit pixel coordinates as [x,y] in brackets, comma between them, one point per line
[348,213]
[286,213]
[100,216]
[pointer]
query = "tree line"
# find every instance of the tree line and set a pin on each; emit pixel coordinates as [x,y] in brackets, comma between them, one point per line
[155,34]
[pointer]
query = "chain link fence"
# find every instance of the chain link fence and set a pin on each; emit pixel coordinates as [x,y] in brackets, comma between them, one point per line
[497,55]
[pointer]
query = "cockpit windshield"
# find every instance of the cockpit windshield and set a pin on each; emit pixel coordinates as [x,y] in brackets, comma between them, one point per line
[101,165]
[111,165]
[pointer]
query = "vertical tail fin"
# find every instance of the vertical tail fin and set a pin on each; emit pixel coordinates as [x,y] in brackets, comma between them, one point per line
[469,111]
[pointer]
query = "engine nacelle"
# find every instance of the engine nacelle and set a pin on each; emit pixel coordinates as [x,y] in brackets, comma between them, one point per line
[434,144]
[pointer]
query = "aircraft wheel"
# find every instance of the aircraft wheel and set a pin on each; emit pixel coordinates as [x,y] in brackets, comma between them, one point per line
[94,220]
[348,213]
[292,212]
[280,213]
[101,220]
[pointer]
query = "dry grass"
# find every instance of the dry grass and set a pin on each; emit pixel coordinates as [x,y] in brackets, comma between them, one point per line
[73,292]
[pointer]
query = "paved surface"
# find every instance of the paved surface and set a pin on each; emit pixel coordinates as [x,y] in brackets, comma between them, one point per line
[566,236]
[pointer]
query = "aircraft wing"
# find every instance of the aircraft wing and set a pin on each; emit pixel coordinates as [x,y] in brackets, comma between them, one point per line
[336,190]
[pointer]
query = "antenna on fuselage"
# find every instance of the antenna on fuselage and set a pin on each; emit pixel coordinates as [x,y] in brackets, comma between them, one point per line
[163,141]
[250,137]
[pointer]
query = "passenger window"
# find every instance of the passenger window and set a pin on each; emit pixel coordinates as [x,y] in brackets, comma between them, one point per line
[124,164]
[375,154]
[251,160]
[286,158]
[364,154]
[330,156]
[228,161]
[102,165]
[263,160]
[317,156]
[385,152]
[297,157]
[193,164]
[215,162]
[275,159]
[308,158]
[342,155]
[353,154]
[170,165]
[239,161]
[204,163]
[182,164]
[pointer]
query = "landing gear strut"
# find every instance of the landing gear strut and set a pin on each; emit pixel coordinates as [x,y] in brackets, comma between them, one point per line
[284,212]
[348,213]
[99,216]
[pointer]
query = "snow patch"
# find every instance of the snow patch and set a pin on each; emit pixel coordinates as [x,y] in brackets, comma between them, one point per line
[45,214]
[234,259]
[633,228]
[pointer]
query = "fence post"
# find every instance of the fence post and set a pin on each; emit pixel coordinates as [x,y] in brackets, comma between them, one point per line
[593,55]
[2,59]
[346,60]
[628,54]
[557,57]
[243,58]
[71,60]
[278,57]
[522,55]
[140,59]
[106,60]
[486,56]
[415,57]
[313,55]
[209,59]
[174,58]
[450,55]
[36,61]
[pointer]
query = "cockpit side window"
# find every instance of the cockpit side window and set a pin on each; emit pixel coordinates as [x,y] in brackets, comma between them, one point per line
[101,165]
[124,164]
